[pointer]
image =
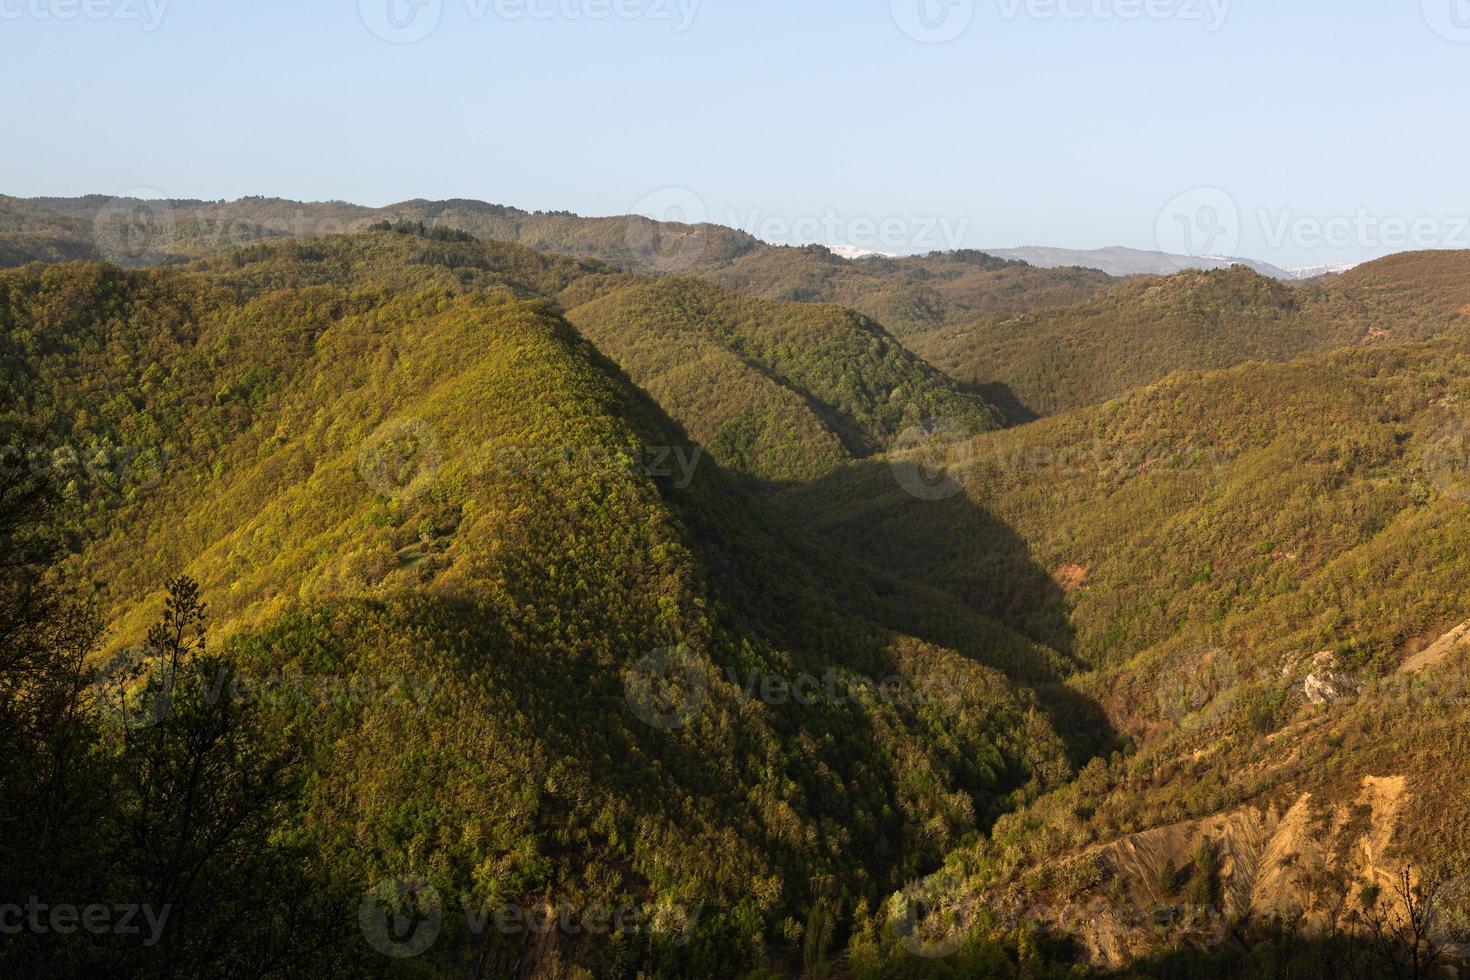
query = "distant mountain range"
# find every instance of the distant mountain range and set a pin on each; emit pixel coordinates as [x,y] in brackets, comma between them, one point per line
[858,252]
[52,229]
[1120,261]
[583,544]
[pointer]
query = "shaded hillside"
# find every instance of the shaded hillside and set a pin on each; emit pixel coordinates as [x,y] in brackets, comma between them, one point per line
[778,390]
[1265,568]
[417,466]
[447,500]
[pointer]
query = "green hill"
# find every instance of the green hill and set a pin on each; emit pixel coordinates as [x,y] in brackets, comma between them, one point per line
[780,390]
[1137,332]
[140,233]
[1168,681]
[907,295]
[1131,335]
[441,538]
[1264,570]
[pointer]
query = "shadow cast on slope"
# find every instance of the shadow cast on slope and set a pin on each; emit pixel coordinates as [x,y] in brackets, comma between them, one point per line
[948,545]
[950,573]
[1000,395]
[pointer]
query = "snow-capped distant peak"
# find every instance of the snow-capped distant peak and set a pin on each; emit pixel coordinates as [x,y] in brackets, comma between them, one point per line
[858,252]
[1313,271]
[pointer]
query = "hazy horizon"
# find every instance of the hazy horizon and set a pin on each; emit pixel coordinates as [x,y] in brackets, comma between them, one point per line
[951,123]
[779,232]
[420,563]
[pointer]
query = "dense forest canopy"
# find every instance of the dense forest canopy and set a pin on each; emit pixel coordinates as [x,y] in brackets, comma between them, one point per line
[464,591]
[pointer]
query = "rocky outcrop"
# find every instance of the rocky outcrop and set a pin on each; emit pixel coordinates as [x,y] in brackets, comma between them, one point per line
[1325,686]
[1306,867]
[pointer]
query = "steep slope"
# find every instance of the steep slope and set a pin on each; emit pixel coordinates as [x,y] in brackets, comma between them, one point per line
[542,650]
[530,661]
[1265,569]
[1131,335]
[779,390]
[1406,296]
[775,390]
[1137,332]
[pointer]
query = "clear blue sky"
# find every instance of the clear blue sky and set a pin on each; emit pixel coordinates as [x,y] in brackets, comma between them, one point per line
[1073,130]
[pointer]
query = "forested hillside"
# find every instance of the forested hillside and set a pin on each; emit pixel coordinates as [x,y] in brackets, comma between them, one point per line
[535,582]
[1265,573]
[906,295]
[778,390]
[442,500]
[1139,331]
